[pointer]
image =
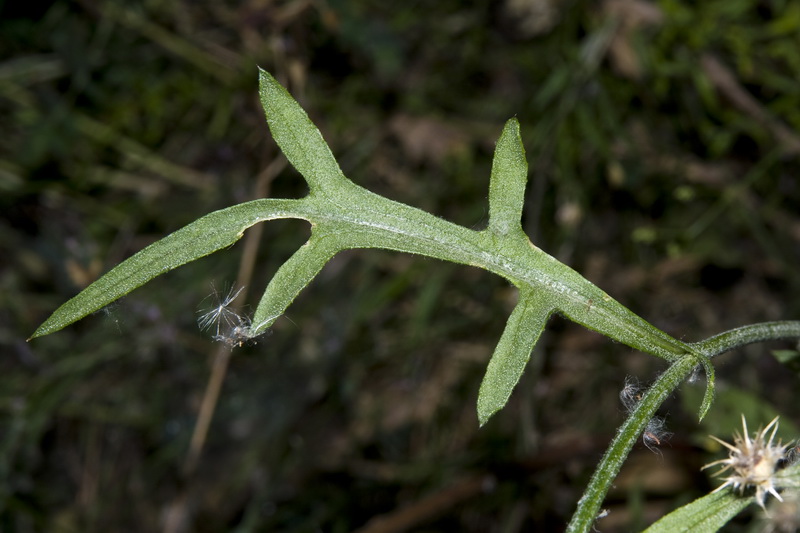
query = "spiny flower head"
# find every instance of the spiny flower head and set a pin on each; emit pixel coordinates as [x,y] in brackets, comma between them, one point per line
[752,462]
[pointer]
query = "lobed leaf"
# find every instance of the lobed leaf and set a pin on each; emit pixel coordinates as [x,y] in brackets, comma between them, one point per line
[345,215]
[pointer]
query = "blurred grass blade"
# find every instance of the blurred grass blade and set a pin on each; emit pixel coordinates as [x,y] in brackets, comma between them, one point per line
[205,235]
[704,515]
[508,361]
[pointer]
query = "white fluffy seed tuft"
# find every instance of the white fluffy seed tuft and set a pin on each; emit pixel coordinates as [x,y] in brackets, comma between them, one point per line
[227,325]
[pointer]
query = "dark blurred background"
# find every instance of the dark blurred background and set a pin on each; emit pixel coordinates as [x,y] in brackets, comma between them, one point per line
[663,140]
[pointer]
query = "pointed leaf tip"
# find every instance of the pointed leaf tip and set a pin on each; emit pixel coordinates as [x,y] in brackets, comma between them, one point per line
[508,179]
[508,362]
[708,396]
[299,139]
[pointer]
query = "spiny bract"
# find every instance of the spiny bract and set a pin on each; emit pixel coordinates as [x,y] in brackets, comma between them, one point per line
[752,462]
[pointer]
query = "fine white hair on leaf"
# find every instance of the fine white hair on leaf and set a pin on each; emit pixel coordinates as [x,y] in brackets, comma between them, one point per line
[630,394]
[655,433]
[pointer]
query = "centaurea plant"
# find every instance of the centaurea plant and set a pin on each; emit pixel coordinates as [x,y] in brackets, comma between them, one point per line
[344,216]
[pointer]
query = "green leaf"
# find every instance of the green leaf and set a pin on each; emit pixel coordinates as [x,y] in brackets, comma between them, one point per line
[293,276]
[708,396]
[300,140]
[507,184]
[344,216]
[523,329]
[205,235]
[788,478]
[704,515]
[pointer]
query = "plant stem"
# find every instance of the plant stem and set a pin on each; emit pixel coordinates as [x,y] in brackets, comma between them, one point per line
[736,338]
[610,464]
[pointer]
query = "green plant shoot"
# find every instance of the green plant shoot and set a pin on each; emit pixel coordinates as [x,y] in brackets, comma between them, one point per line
[344,215]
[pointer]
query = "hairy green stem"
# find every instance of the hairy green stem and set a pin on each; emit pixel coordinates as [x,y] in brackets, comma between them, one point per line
[609,466]
[736,338]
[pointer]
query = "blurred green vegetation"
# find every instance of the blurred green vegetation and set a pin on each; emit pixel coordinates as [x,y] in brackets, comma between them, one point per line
[663,141]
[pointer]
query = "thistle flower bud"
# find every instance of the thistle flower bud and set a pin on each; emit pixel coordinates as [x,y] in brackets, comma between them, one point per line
[752,462]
